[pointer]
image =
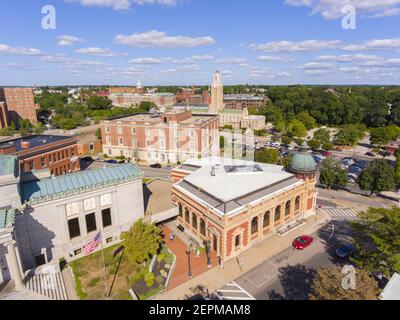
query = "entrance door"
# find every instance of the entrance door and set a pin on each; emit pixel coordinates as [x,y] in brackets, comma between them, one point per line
[215,243]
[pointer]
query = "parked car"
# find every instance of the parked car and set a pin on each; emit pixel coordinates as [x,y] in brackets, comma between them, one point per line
[384,154]
[168,168]
[361,164]
[327,153]
[112,161]
[370,154]
[302,242]
[345,250]
[87,159]
[156,166]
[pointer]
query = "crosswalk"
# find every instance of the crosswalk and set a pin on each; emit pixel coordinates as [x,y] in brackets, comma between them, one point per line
[341,212]
[232,291]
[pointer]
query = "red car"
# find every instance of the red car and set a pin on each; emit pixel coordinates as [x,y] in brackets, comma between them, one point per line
[302,242]
[327,154]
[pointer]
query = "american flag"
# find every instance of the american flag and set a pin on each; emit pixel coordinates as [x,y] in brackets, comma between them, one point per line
[92,245]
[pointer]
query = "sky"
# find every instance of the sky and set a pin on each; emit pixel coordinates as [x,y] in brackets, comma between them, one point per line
[182,42]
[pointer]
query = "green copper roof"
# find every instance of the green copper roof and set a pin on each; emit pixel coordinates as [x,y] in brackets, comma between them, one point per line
[75,183]
[7,218]
[8,165]
[303,161]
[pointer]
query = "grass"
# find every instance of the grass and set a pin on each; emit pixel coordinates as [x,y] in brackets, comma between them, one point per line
[89,275]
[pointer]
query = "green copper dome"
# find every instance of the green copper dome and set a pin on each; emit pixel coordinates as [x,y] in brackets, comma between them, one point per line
[302,161]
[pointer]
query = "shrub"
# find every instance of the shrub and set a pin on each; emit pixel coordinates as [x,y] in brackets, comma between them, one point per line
[93,282]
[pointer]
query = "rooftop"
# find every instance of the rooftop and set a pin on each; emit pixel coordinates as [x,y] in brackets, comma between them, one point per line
[34,141]
[75,183]
[243,97]
[235,183]
[392,289]
[8,165]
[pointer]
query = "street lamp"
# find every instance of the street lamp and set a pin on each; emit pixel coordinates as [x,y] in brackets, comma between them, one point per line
[188,252]
[209,263]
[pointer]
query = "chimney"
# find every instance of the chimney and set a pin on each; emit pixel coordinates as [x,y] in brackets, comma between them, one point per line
[25,144]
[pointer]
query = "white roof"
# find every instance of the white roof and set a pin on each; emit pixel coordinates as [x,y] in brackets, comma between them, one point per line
[392,289]
[228,186]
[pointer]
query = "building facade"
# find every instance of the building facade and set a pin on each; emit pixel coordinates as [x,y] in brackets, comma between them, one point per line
[242,101]
[57,217]
[230,205]
[20,104]
[217,93]
[170,137]
[59,154]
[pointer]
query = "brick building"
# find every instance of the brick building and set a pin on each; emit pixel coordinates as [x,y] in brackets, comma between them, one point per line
[20,104]
[230,205]
[169,137]
[59,154]
[242,101]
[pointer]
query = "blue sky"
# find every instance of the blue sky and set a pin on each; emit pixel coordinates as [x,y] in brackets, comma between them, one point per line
[183,42]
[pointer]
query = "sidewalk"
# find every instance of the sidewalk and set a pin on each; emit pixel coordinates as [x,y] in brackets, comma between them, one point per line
[216,278]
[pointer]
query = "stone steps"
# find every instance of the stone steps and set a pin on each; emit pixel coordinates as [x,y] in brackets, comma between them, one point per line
[50,285]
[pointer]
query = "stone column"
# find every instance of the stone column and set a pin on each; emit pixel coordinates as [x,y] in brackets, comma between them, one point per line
[14,266]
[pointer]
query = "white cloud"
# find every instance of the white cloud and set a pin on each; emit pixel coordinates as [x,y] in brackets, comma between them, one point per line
[332,9]
[149,60]
[237,61]
[5,49]
[271,59]
[95,51]
[159,39]
[121,5]
[65,41]
[302,46]
[376,44]
[72,62]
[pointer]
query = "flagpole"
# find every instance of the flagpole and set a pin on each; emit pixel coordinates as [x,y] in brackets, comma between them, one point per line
[104,266]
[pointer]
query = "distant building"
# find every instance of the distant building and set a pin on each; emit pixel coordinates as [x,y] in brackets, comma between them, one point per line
[45,220]
[4,122]
[20,104]
[88,144]
[231,205]
[163,138]
[242,101]
[59,154]
[161,100]
[190,97]
[217,94]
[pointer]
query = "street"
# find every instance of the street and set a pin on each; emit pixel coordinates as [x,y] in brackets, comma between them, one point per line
[289,275]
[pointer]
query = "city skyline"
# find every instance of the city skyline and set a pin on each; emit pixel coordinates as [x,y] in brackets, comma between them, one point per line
[171,42]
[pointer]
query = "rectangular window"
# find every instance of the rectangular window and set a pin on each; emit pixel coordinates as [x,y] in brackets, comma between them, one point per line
[73,227]
[119,130]
[133,131]
[237,241]
[107,129]
[73,152]
[106,216]
[120,141]
[91,222]
[43,161]
[31,165]
[67,153]
[77,252]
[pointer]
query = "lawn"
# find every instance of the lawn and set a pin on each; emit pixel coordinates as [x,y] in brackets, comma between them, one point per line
[121,275]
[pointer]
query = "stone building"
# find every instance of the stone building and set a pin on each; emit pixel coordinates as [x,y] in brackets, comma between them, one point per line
[231,205]
[44,220]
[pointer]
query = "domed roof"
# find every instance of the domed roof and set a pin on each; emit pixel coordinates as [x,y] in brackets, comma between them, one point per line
[302,161]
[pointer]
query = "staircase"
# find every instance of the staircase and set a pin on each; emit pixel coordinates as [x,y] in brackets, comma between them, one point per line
[50,285]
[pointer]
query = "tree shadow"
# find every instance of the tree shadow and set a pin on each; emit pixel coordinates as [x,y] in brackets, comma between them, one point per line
[197,291]
[296,282]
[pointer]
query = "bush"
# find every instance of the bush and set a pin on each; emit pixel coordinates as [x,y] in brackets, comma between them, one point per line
[93,282]
[161,257]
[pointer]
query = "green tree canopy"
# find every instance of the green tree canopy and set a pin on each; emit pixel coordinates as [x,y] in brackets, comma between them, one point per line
[267,156]
[98,103]
[332,175]
[142,241]
[377,238]
[377,177]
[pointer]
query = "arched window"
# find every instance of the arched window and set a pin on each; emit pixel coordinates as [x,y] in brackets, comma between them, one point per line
[194,221]
[180,211]
[202,227]
[297,203]
[187,216]
[266,221]
[287,208]
[254,225]
[277,214]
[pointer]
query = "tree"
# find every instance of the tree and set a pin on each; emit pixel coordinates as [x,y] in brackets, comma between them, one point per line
[297,129]
[142,241]
[327,285]
[147,105]
[350,135]
[286,140]
[228,127]
[98,103]
[377,177]
[38,128]
[377,239]
[332,175]
[308,121]
[314,144]
[383,135]
[25,127]
[267,156]
[322,135]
